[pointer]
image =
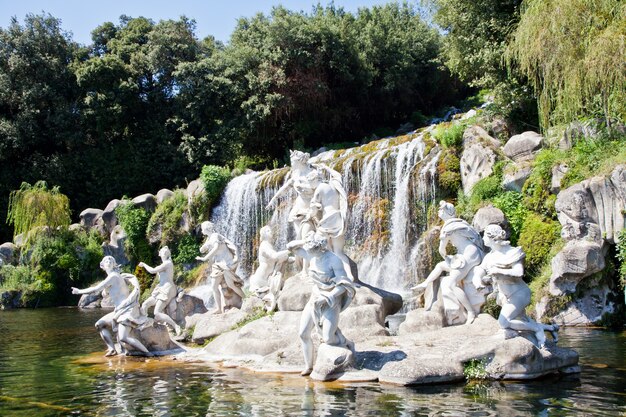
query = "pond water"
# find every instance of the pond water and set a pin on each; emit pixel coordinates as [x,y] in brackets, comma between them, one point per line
[51,365]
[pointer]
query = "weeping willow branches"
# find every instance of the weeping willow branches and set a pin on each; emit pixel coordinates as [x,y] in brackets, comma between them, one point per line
[35,206]
[574,54]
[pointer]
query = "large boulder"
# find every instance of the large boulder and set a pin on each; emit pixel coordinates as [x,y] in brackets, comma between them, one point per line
[145,201]
[523,147]
[478,158]
[297,291]
[210,325]
[92,218]
[164,194]
[116,246]
[108,215]
[577,260]
[186,306]
[585,310]
[331,362]
[515,175]
[8,253]
[558,173]
[156,338]
[489,215]
[440,355]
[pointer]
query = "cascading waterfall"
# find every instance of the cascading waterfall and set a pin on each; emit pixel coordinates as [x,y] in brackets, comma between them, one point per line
[389,182]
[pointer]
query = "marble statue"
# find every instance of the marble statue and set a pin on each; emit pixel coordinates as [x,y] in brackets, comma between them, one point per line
[164,295]
[329,208]
[503,266]
[456,270]
[129,315]
[221,255]
[300,214]
[121,297]
[332,293]
[268,277]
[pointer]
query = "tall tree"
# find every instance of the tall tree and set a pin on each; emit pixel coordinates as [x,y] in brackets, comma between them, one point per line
[574,54]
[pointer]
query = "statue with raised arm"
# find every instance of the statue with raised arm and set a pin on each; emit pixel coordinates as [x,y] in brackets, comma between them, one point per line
[221,255]
[164,295]
[454,269]
[332,293]
[329,209]
[300,214]
[503,266]
[118,290]
[268,277]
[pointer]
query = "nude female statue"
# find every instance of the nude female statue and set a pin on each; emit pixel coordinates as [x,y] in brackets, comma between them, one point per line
[164,295]
[128,315]
[469,246]
[221,256]
[332,293]
[503,266]
[118,290]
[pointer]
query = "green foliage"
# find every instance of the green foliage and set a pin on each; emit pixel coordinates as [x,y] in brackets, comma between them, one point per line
[491,307]
[36,206]
[215,179]
[187,248]
[536,239]
[475,369]
[476,37]
[449,171]
[134,221]
[485,190]
[451,135]
[568,49]
[145,282]
[54,264]
[511,204]
[166,219]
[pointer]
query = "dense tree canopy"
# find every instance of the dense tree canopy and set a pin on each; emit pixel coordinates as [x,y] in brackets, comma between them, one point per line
[147,104]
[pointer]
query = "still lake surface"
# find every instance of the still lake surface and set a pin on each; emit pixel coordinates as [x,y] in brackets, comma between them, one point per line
[51,365]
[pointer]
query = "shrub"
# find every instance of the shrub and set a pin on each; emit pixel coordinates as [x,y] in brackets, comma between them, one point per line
[511,204]
[214,178]
[134,221]
[166,219]
[55,263]
[450,135]
[35,206]
[187,249]
[485,190]
[536,239]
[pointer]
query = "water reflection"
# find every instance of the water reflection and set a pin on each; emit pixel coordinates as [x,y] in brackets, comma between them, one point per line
[46,370]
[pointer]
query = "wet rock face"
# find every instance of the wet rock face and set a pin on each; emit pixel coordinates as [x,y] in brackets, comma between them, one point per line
[116,246]
[8,253]
[108,215]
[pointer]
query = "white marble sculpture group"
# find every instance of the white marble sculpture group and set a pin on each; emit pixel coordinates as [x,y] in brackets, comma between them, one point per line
[470,274]
[460,283]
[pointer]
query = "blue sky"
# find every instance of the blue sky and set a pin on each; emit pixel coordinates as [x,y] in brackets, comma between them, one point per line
[217,18]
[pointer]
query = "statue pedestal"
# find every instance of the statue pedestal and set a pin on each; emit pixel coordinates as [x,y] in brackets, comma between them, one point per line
[332,361]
